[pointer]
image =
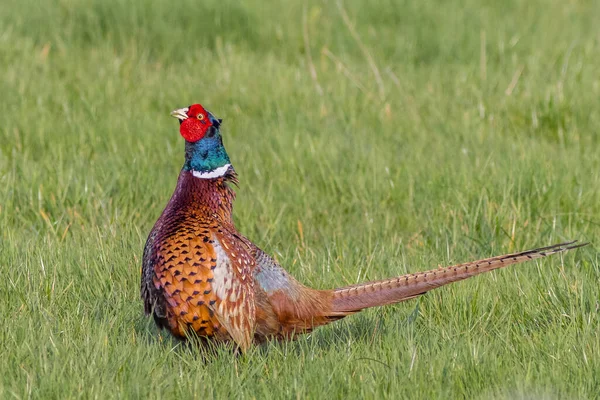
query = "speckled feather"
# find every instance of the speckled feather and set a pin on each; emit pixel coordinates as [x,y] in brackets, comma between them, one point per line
[196,276]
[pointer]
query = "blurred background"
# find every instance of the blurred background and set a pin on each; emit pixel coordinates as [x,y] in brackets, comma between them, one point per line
[371,139]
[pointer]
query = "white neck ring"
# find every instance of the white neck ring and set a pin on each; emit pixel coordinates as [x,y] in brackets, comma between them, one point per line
[215,173]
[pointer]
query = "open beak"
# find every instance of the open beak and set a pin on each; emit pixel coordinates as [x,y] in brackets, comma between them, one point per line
[180,113]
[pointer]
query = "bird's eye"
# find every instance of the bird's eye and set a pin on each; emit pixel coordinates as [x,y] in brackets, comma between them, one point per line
[200,117]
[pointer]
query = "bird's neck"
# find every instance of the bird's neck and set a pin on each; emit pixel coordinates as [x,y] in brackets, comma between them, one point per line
[207,157]
[202,188]
[203,198]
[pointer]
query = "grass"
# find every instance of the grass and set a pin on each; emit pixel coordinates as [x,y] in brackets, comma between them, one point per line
[430,133]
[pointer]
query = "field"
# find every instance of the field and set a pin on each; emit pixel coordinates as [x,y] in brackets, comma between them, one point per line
[371,139]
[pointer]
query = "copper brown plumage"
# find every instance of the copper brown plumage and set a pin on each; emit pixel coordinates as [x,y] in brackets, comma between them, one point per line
[187,280]
[201,276]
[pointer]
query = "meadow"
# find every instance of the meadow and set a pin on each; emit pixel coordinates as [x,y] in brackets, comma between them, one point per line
[371,139]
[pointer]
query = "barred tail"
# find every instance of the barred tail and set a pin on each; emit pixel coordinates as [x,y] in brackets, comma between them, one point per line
[350,299]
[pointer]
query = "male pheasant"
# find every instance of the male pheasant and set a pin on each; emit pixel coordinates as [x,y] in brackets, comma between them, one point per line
[200,275]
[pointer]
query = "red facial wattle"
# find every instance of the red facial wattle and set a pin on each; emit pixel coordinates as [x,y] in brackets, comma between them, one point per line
[195,126]
[193,129]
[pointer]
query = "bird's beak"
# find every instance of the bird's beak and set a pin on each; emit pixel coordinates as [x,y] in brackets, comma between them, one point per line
[180,113]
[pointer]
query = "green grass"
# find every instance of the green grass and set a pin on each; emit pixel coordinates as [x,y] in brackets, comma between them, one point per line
[448,131]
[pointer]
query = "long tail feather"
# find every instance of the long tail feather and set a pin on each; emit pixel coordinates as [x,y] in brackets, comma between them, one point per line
[350,299]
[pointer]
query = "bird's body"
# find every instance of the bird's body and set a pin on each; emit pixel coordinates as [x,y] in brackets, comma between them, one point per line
[201,276]
[199,269]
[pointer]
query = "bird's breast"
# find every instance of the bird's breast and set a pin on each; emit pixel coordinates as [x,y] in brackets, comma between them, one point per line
[193,276]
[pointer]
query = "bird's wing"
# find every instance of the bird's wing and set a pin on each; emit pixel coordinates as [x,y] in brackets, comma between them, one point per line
[234,288]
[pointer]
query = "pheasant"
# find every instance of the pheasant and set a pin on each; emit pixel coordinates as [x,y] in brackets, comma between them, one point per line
[201,276]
